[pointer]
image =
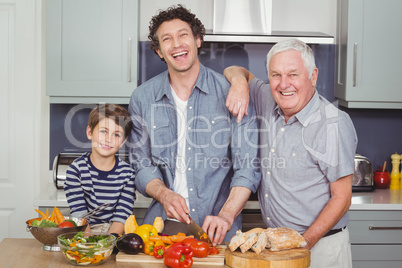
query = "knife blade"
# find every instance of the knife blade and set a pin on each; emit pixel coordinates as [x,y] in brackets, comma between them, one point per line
[197,231]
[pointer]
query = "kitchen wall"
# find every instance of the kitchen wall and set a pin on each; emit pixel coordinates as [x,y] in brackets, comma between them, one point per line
[377,130]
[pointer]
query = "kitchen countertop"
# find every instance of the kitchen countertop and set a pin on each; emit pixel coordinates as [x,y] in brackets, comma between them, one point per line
[19,252]
[379,199]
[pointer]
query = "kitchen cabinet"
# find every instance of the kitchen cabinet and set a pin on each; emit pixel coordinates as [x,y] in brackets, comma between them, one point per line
[368,54]
[376,238]
[91,50]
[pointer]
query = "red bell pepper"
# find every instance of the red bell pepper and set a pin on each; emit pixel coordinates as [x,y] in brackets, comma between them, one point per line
[178,256]
[159,251]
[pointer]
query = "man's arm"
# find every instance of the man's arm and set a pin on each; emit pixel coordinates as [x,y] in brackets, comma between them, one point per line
[246,176]
[239,96]
[219,225]
[173,203]
[337,206]
[149,178]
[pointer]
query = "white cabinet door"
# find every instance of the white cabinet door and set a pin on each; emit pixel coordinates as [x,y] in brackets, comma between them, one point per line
[91,48]
[369,54]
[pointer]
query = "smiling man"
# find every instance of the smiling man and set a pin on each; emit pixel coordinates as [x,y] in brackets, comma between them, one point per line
[307,149]
[189,153]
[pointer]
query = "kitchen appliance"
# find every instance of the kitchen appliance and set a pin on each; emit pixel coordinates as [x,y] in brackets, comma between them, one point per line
[363,175]
[242,17]
[63,160]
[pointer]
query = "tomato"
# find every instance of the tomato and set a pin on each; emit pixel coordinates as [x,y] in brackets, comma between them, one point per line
[200,249]
[145,231]
[213,251]
[65,224]
[187,241]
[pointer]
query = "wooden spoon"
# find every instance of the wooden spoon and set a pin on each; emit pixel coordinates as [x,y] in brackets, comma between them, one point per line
[383,167]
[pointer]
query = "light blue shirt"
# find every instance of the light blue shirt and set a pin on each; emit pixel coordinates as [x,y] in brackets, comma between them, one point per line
[220,153]
[300,158]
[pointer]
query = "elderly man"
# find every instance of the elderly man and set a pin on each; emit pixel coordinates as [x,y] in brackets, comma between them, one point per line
[307,149]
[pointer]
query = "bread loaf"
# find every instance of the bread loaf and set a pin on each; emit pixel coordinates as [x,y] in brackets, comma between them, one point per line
[275,239]
[284,238]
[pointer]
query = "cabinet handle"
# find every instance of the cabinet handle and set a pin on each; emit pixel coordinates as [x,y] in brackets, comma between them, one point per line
[384,228]
[129,60]
[354,63]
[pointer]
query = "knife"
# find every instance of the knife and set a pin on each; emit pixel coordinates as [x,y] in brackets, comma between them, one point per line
[197,231]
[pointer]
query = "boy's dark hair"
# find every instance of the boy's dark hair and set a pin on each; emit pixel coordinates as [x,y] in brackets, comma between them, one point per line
[175,12]
[114,112]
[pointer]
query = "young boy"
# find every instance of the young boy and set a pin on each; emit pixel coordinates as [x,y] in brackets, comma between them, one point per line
[100,177]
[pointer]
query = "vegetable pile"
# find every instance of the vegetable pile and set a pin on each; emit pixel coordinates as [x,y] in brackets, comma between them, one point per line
[86,250]
[175,250]
[56,219]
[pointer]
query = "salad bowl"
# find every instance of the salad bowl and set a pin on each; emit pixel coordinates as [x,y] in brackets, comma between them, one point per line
[86,249]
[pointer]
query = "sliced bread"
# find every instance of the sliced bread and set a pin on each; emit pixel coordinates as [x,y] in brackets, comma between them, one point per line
[237,240]
[261,242]
[251,239]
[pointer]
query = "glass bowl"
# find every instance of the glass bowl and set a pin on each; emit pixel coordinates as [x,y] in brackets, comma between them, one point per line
[87,249]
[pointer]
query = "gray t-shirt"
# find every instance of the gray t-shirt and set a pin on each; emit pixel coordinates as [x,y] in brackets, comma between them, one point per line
[300,158]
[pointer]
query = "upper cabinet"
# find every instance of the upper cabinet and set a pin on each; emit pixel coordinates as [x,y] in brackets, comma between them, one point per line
[91,50]
[369,54]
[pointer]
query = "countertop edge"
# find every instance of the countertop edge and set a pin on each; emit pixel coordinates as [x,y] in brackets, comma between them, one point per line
[377,200]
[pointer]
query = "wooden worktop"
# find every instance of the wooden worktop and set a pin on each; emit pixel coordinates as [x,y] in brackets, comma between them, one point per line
[21,252]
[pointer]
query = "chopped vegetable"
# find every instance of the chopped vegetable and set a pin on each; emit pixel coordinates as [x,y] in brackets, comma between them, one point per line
[43,223]
[213,251]
[79,252]
[59,217]
[41,213]
[56,217]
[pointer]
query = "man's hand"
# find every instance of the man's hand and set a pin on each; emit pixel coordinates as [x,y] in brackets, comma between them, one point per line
[239,92]
[237,100]
[216,228]
[174,204]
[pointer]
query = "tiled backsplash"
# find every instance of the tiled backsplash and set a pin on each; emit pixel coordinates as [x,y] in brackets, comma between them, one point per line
[379,131]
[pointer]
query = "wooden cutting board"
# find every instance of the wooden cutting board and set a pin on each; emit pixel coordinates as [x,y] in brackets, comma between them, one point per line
[292,258]
[218,259]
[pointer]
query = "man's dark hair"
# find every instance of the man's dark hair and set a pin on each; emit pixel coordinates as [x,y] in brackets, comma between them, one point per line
[174,12]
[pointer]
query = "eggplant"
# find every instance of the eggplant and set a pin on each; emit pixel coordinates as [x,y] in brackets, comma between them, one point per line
[130,243]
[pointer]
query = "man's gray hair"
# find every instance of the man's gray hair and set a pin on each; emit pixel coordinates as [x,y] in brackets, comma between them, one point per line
[294,44]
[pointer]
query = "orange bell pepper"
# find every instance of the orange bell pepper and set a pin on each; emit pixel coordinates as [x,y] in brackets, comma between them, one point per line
[59,216]
[41,213]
